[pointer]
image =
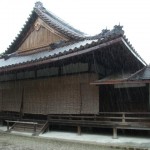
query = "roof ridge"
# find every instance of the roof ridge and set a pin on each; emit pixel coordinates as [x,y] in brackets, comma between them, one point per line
[45,14]
[106,33]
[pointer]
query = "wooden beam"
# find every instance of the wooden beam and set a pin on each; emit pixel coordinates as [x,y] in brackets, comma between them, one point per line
[126,85]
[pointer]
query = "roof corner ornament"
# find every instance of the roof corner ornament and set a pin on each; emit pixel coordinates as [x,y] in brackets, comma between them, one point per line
[104,32]
[118,30]
[39,5]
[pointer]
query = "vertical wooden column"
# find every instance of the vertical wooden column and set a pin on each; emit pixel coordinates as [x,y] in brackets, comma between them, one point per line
[34,130]
[79,130]
[115,133]
[7,126]
[21,106]
[80,84]
[149,95]
[123,118]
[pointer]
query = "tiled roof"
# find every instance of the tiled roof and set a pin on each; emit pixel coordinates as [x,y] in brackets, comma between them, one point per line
[81,41]
[117,32]
[15,59]
[21,59]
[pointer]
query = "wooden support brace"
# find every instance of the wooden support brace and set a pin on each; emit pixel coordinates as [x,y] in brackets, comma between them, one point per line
[115,133]
[79,130]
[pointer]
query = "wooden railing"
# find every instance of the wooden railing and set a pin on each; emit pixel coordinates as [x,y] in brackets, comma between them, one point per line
[21,122]
[114,120]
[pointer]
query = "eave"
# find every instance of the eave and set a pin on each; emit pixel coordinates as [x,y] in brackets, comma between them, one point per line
[83,49]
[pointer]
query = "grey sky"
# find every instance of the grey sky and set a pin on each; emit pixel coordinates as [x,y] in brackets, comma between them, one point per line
[90,16]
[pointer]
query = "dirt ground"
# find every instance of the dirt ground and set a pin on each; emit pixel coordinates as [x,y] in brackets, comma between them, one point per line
[17,142]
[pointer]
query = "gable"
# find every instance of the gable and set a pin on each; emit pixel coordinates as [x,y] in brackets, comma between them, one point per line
[40,35]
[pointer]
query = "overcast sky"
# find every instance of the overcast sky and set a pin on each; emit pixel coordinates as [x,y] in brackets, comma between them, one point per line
[89,16]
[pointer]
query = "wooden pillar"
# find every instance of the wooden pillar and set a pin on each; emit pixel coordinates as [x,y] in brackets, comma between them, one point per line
[123,118]
[79,130]
[34,130]
[7,126]
[21,106]
[115,133]
[149,95]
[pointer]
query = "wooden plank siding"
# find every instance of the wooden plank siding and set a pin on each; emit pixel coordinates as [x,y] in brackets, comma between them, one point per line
[90,96]
[11,100]
[56,95]
[40,37]
[0,100]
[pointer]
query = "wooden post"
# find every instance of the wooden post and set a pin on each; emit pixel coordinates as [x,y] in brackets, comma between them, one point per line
[149,96]
[7,126]
[79,130]
[34,132]
[115,133]
[123,118]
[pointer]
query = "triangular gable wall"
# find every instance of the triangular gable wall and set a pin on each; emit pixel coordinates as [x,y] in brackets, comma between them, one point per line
[40,35]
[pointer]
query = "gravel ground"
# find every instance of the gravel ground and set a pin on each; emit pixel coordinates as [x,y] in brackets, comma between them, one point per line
[17,142]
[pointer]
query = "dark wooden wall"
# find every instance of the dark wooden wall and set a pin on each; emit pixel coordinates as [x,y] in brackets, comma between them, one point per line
[123,99]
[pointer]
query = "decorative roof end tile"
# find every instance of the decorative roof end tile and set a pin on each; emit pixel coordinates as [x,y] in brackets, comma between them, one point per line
[39,5]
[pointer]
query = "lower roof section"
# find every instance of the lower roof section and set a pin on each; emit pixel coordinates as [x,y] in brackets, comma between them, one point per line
[141,76]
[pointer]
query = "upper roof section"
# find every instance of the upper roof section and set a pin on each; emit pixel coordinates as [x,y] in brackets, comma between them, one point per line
[56,22]
[51,20]
[76,41]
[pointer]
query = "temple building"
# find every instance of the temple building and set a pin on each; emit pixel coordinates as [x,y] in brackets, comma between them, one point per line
[53,69]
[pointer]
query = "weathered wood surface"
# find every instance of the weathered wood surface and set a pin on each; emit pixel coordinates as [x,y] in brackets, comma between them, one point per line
[60,95]
[40,35]
[0,100]
[55,95]
[114,120]
[11,99]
